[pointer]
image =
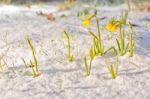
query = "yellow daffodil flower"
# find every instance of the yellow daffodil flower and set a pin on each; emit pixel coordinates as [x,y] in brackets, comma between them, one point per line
[87,21]
[112,26]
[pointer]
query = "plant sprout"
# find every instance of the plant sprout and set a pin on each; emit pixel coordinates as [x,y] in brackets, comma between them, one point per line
[131,44]
[70,56]
[88,67]
[33,62]
[113,70]
[98,47]
[121,44]
[97,42]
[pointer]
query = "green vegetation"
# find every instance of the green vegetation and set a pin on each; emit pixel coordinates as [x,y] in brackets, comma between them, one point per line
[33,62]
[88,66]
[70,56]
[113,69]
[121,43]
[131,44]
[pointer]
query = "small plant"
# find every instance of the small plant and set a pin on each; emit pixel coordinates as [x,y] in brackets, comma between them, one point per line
[101,47]
[113,70]
[121,44]
[113,25]
[70,56]
[88,67]
[98,47]
[33,62]
[131,43]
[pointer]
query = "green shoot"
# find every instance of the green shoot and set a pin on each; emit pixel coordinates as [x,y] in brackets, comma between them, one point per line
[113,68]
[87,71]
[33,52]
[97,42]
[131,44]
[34,63]
[97,48]
[70,57]
[121,44]
[112,71]
[100,46]
[88,67]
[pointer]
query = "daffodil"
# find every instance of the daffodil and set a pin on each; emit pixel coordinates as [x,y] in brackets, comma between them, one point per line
[112,26]
[86,21]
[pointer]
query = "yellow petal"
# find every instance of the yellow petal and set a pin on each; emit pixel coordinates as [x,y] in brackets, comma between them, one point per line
[86,22]
[111,27]
[108,26]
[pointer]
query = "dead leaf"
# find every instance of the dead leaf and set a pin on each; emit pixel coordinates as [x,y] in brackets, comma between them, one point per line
[51,17]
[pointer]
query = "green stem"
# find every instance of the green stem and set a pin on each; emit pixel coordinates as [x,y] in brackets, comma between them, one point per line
[86,67]
[70,57]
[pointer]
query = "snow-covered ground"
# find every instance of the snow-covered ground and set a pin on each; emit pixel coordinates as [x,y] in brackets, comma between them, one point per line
[58,78]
